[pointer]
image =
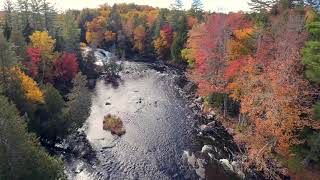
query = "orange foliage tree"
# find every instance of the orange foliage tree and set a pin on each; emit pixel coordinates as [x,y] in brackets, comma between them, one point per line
[96,30]
[139,38]
[208,43]
[163,43]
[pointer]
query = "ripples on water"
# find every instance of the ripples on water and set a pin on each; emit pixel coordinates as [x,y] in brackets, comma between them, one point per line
[158,126]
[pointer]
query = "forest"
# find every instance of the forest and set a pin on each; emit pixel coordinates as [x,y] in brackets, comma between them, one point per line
[260,70]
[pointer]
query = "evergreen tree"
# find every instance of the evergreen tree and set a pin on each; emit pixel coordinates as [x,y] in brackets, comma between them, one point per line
[51,124]
[23,8]
[27,32]
[48,15]
[86,15]
[19,41]
[36,17]
[311,51]
[90,66]
[197,9]
[262,5]
[8,8]
[114,22]
[180,39]
[7,29]
[177,5]
[8,59]
[70,33]
[20,154]
[79,102]
[311,59]
[60,43]
[175,14]
[159,23]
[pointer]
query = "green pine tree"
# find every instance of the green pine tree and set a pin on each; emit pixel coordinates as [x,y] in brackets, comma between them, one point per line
[180,40]
[21,157]
[79,102]
[196,9]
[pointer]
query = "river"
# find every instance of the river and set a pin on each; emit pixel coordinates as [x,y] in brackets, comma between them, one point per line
[161,140]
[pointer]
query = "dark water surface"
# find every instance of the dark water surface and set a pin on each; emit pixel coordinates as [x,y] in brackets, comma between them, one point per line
[159,130]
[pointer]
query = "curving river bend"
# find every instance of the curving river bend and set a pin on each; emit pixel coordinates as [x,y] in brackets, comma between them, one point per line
[160,141]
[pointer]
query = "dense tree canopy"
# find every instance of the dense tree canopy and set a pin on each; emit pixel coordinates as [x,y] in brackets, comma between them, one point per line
[21,157]
[260,70]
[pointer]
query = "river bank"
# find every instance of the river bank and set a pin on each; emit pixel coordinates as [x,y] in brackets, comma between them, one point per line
[208,125]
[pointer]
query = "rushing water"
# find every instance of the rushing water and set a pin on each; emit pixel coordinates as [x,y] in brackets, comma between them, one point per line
[159,130]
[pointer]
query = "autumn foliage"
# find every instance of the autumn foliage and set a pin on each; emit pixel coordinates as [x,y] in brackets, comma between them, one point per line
[263,70]
[208,43]
[66,66]
[44,42]
[30,87]
[35,58]
[139,38]
[163,43]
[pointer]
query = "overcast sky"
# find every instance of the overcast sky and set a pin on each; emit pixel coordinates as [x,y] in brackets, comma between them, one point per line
[213,5]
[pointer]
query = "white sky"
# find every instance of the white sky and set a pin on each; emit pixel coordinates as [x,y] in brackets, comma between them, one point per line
[212,5]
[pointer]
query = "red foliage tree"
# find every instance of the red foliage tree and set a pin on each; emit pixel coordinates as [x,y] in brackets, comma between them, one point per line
[35,58]
[163,43]
[66,66]
[209,47]
[168,31]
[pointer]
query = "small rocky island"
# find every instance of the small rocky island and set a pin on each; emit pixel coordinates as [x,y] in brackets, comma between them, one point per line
[114,124]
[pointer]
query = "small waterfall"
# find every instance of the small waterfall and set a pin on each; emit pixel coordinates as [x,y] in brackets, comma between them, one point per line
[102,56]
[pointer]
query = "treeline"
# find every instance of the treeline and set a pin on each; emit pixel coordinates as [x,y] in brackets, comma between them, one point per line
[263,69]
[43,87]
[128,29]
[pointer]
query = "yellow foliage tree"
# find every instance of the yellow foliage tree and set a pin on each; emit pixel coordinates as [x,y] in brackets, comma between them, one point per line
[187,55]
[239,45]
[42,40]
[30,87]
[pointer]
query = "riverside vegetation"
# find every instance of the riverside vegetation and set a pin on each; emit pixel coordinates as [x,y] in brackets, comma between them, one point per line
[259,70]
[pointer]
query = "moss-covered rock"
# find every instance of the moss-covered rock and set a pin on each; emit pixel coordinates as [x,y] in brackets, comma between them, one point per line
[113,124]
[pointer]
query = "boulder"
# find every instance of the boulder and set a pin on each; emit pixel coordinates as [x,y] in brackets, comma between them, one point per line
[204,127]
[206,148]
[226,164]
[192,105]
[199,99]
[190,87]
[113,124]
